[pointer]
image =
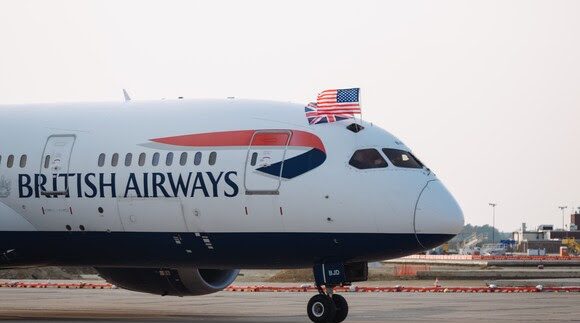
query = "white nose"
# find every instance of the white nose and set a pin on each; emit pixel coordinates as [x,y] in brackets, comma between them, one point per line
[438,217]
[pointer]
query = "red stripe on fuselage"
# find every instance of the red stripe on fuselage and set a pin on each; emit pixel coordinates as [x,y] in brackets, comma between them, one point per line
[242,138]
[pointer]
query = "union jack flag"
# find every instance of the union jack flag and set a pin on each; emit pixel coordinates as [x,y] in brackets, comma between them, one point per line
[315,117]
[333,105]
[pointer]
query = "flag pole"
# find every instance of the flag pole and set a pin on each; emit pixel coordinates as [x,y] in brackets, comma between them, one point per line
[360,108]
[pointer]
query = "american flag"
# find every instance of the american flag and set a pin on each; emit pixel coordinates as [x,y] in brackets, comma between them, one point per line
[333,105]
[342,101]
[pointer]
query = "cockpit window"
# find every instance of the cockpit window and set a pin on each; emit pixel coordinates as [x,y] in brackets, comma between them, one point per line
[367,158]
[401,158]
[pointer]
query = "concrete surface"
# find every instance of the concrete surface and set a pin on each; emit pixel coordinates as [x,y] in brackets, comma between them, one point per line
[536,282]
[500,273]
[486,263]
[56,305]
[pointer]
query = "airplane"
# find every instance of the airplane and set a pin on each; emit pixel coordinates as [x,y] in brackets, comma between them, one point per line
[174,197]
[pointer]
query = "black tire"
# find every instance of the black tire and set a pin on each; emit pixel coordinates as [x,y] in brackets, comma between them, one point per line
[321,309]
[341,308]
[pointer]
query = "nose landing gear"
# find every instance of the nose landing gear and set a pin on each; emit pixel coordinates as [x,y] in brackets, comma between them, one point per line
[328,307]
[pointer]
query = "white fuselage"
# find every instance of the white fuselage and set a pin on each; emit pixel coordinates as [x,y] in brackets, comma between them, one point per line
[220,186]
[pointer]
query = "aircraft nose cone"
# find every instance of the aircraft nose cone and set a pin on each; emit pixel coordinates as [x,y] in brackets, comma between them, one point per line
[438,217]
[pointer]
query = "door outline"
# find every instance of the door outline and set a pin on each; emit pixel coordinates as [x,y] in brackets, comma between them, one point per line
[43,171]
[266,192]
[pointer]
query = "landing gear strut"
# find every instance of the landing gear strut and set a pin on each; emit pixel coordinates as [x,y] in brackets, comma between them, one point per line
[328,307]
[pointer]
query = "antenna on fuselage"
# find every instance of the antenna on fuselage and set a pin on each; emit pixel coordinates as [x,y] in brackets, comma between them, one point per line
[126,95]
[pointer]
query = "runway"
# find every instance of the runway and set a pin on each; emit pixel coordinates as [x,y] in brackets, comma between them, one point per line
[57,305]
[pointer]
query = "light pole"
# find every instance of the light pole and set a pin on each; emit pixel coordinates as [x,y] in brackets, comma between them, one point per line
[493,223]
[562,208]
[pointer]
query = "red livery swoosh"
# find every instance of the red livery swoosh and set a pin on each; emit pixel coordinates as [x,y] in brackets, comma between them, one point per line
[242,138]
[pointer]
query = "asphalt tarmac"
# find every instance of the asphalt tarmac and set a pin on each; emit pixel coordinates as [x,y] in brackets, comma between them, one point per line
[63,305]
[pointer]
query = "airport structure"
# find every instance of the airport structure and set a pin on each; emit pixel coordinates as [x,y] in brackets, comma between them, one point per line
[548,240]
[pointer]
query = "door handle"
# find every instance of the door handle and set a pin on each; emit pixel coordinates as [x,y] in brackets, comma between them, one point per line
[248,192]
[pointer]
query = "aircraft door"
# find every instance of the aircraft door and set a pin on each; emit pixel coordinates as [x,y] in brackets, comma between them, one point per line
[55,164]
[265,161]
[53,184]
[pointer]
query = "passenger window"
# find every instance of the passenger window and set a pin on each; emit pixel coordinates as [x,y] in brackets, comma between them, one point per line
[141,159]
[401,158]
[115,160]
[197,158]
[169,159]
[155,160]
[10,161]
[183,159]
[46,161]
[212,158]
[128,159]
[254,159]
[101,160]
[23,161]
[367,158]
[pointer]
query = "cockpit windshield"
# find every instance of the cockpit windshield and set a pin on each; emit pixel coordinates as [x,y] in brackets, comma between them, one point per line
[401,158]
[367,158]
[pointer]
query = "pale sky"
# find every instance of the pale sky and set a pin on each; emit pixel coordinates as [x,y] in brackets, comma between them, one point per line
[486,93]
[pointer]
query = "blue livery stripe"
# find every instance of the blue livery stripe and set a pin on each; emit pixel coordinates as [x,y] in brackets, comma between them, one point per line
[297,165]
[229,250]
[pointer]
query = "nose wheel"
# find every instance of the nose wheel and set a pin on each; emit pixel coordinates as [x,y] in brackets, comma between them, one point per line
[327,307]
